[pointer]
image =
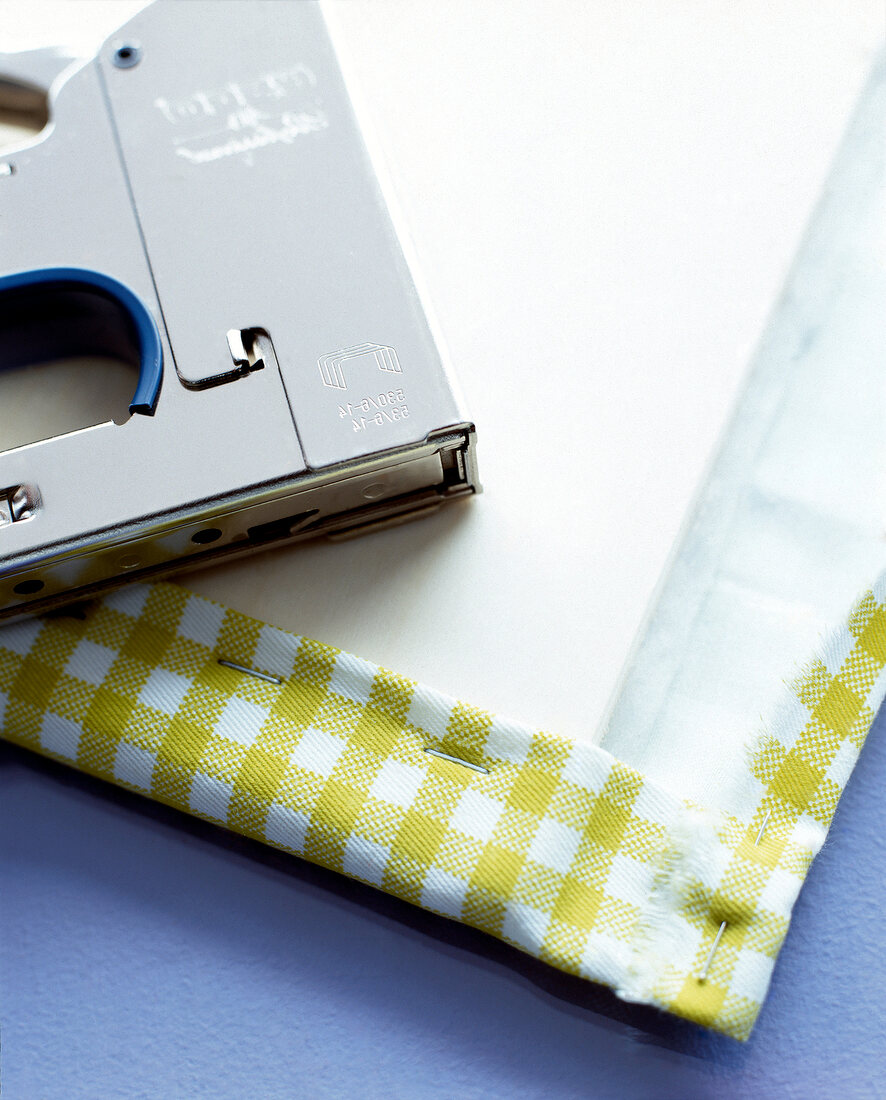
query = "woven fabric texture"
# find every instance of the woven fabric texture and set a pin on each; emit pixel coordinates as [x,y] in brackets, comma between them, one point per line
[552,845]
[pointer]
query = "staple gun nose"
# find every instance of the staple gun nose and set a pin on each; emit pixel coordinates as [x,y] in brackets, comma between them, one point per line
[55,312]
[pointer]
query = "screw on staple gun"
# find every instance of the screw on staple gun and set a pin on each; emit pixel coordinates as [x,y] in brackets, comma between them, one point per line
[201,204]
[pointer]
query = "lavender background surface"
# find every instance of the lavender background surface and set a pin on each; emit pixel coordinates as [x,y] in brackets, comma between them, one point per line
[147,954]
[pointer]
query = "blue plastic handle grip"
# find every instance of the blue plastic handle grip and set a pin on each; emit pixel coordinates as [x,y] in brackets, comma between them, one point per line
[150,349]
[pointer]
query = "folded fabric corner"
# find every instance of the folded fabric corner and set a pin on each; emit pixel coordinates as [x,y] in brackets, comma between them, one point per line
[551,845]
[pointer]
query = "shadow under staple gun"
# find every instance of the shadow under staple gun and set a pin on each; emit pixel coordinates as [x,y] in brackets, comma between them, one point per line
[201,204]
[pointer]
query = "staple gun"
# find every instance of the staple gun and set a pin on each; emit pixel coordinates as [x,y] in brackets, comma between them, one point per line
[202,204]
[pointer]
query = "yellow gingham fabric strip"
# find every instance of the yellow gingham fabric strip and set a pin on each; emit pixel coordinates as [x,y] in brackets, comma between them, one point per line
[556,848]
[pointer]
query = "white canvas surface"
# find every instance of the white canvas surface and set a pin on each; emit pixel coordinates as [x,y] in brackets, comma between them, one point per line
[605,200]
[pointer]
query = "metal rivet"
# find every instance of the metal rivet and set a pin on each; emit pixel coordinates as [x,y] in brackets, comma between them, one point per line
[126,55]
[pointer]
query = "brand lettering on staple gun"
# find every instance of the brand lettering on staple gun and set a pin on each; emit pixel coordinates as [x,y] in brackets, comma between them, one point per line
[292,125]
[268,88]
[244,116]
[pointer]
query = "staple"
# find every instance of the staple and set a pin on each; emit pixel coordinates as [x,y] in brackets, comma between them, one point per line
[763,828]
[250,672]
[703,975]
[457,760]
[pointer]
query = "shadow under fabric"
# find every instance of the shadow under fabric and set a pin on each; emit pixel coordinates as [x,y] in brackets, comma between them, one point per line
[664,861]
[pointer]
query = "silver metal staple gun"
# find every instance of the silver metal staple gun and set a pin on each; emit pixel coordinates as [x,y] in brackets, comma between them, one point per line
[202,204]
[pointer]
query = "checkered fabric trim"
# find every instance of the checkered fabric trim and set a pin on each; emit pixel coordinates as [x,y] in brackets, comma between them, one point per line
[553,846]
